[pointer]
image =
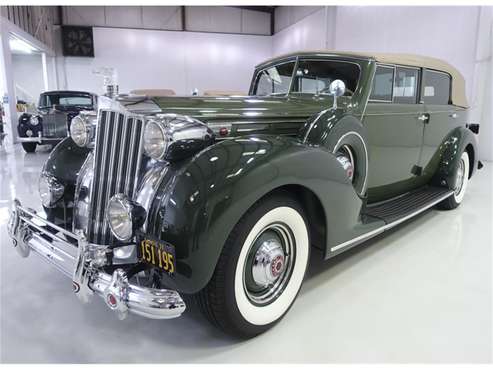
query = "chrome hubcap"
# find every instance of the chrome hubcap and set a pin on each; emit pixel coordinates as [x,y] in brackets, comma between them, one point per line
[269,264]
[460,178]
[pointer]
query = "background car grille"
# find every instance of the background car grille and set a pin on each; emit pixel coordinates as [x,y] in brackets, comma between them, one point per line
[117,158]
[55,124]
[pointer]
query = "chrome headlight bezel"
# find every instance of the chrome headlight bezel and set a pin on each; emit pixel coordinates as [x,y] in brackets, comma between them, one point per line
[181,136]
[50,190]
[83,129]
[160,153]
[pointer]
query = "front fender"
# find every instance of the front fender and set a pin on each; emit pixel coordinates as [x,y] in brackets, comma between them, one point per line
[65,161]
[449,154]
[200,201]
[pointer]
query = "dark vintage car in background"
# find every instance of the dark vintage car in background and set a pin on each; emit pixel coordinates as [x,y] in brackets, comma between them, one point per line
[158,201]
[50,124]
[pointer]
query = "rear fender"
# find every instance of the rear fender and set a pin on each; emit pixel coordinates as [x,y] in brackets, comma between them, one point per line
[450,152]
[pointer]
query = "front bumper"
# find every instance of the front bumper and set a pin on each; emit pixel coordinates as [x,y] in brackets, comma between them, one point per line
[39,139]
[83,263]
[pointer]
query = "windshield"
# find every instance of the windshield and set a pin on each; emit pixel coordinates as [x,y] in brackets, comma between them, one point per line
[274,80]
[49,100]
[311,77]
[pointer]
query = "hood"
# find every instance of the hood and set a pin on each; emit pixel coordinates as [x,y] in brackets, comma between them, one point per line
[240,115]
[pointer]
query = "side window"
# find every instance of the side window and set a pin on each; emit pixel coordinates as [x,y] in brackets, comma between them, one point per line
[406,85]
[436,88]
[382,84]
[274,80]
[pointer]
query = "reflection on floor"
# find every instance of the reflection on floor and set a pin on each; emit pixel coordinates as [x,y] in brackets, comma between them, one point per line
[421,293]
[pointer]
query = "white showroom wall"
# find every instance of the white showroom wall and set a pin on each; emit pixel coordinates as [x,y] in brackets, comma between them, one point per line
[180,61]
[27,76]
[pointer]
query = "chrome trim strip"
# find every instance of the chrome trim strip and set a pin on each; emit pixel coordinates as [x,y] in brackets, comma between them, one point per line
[386,227]
[320,114]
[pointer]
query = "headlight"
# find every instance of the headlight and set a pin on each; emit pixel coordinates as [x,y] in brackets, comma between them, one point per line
[34,120]
[173,137]
[124,216]
[50,190]
[82,129]
[155,140]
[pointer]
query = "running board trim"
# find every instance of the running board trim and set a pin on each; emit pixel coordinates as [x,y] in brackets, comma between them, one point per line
[386,227]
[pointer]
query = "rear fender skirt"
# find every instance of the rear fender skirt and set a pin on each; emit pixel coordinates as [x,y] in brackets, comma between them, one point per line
[199,201]
[449,153]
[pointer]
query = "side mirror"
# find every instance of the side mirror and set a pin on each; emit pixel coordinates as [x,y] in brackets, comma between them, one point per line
[336,88]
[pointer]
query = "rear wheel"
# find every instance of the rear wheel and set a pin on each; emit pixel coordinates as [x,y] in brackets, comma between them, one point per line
[460,186]
[29,147]
[260,270]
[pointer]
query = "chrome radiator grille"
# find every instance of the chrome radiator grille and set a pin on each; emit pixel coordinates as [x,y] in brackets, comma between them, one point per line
[55,124]
[117,158]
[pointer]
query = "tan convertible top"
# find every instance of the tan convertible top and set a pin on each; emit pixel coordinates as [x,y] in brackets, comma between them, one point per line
[458,82]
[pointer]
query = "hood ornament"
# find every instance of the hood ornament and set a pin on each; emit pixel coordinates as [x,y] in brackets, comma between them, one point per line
[110,80]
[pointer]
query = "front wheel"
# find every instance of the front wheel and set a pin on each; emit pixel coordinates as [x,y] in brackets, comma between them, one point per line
[29,147]
[260,270]
[462,179]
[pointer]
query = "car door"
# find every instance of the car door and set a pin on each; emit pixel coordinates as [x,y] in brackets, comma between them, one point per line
[442,117]
[395,131]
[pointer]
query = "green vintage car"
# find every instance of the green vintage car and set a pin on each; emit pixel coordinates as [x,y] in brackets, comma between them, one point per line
[218,201]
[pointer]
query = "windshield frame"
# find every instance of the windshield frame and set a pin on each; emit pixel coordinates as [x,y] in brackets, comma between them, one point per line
[275,63]
[66,94]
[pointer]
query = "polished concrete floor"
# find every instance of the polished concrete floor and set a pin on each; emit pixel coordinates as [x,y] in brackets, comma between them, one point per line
[421,293]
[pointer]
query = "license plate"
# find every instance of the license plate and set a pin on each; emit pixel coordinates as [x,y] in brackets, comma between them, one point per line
[158,254]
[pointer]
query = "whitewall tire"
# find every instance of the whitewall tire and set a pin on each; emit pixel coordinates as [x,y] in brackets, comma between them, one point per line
[261,268]
[460,186]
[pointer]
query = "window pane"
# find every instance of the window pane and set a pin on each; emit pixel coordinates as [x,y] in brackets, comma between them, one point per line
[274,80]
[47,100]
[406,82]
[75,100]
[436,88]
[382,84]
[315,76]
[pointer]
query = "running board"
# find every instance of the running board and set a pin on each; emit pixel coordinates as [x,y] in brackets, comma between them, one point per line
[397,210]
[407,204]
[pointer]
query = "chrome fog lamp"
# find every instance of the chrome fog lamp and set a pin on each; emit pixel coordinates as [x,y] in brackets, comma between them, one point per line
[124,216]
[50,190]
[82,130]
[155,140]
[34,120]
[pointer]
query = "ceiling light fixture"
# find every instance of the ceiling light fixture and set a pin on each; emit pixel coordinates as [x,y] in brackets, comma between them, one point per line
[21,46]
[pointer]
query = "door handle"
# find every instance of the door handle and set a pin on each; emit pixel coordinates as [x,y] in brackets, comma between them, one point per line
[423,117]
[453,115]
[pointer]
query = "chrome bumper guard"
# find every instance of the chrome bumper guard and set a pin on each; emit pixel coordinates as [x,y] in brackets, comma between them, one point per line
[83,262]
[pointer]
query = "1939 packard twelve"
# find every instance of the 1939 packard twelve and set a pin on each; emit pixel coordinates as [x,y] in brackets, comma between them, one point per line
[157,201]
[50,124]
